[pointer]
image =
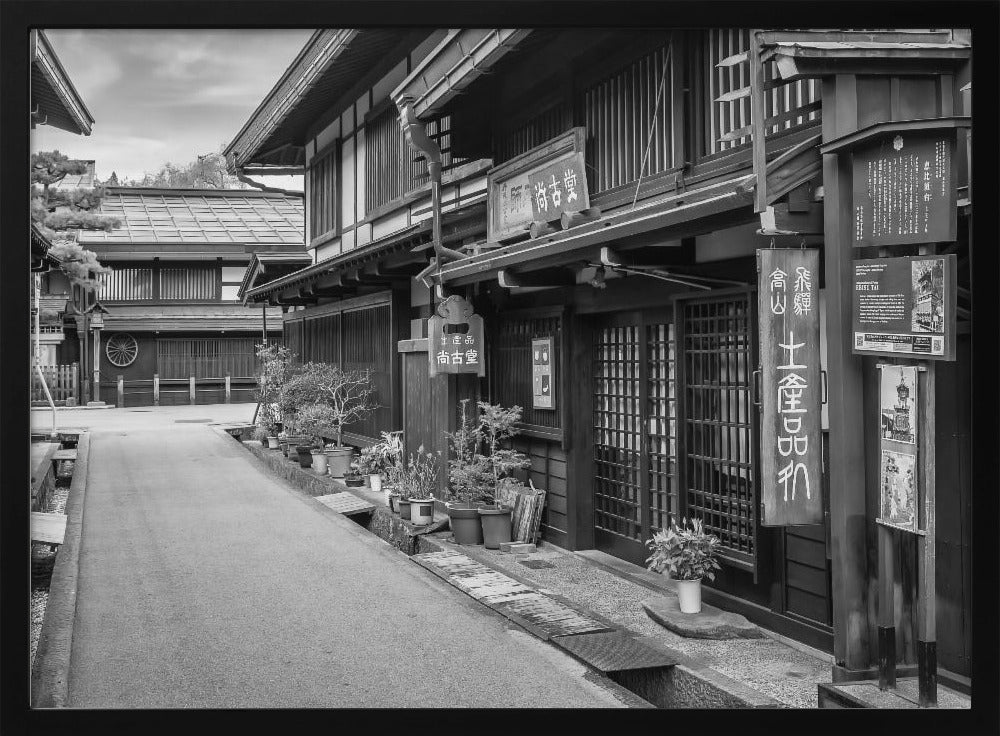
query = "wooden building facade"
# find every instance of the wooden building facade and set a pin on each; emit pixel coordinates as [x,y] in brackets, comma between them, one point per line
[650,299]
[173,327]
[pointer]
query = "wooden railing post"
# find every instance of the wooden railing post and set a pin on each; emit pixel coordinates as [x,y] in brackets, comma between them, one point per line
[191,384]
[156,389]
[121,391]
[229,394]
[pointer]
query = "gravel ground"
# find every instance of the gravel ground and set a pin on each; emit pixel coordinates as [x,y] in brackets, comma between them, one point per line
[43,559]
[766,665]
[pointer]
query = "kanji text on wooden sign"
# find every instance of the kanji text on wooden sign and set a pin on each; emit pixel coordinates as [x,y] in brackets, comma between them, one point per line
[904,189]
[455,339]
[790,396]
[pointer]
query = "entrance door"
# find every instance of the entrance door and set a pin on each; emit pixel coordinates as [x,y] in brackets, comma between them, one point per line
[635,469]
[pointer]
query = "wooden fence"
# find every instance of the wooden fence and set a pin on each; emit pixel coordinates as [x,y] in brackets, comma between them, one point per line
[158,391]
[63,382]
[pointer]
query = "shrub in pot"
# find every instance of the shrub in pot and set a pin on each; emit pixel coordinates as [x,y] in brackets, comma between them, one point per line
[469,478]
[417,484]
[687,553]
[275,366]
[495,428]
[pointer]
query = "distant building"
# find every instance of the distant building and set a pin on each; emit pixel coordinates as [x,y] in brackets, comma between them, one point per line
[178,259]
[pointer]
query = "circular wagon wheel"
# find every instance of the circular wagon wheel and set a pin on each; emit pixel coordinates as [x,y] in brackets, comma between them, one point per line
[122,349]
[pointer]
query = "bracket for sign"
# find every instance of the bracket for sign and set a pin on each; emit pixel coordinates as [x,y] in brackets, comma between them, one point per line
[826,388]
[756,387]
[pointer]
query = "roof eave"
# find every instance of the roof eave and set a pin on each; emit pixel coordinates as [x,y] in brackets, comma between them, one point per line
[48,62]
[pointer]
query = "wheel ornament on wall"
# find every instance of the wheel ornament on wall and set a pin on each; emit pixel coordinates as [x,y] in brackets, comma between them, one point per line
[122,349]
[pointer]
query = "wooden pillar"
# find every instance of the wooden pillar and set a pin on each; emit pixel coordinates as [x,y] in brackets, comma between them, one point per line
[97,365]
[578,399]
[848,522]
[156,389]
[121,391]
[886,610]
[228,389]
[926,547]
[75,381]
[191,391]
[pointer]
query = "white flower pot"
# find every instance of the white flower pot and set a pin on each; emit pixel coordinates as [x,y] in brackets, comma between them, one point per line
[319,463]
[689,595]
[272,443]
[375,481]
[422,511]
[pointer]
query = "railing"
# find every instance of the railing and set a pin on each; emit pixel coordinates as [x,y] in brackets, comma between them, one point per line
[63,382]
[158,391]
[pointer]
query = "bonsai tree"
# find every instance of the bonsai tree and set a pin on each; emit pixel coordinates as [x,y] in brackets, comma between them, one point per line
[482,465]
[349,394]
[275,366]
[315,421]
[686,551]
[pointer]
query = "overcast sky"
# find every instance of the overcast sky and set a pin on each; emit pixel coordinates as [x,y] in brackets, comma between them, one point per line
[164,95]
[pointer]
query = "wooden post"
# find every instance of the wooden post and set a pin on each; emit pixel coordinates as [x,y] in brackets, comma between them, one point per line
[886,610]
[121,391]
[926,568]
[156,389]
[191,389]
[75,382]
[228,389]
[97,365]
[848,510]
[759,133]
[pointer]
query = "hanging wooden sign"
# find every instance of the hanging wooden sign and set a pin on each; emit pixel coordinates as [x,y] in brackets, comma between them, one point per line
[455,339]
[905,306]
[543,384]
[790,396]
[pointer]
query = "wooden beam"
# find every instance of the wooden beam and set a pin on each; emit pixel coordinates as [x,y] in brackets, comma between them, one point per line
[541,279]
[759,154]
[382,271]
[779,219]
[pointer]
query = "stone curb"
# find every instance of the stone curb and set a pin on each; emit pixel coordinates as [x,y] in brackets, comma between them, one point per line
[50,673]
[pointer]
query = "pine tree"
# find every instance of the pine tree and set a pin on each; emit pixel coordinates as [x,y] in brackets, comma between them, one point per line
[60,213]
[112,180]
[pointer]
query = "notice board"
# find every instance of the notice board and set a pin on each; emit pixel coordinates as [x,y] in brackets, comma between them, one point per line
[905,306]
[790,392]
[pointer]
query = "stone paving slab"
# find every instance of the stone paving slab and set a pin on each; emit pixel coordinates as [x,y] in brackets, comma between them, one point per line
[345,503]
[905,695]
[710,623]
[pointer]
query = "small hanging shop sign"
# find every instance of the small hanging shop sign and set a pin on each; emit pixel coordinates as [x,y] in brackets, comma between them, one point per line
[905,306]
[543,391]
[455,339]
[537,186]
[790,398]
[898,440]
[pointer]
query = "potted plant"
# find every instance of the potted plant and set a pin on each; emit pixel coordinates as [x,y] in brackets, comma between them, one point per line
[469,478]
[350,397]
[378,458]
[315,422]
[418,484]
[496,426]
[687,553]
[275,367]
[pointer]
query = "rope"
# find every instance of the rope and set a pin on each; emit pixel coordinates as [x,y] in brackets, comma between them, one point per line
[652,124]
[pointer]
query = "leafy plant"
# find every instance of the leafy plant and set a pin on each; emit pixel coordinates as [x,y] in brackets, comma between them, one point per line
[316,421]
[419,476]
[349,394]
[481,464]
[381,456]
[687,552]
[275,366]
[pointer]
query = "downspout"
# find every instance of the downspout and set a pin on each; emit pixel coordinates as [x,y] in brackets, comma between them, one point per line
[38,349]
[416,134]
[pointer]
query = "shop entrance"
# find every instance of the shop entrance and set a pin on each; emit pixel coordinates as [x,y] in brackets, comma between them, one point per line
[635,430]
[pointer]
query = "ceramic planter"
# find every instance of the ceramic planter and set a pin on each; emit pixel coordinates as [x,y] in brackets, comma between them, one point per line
[272,443]
[404,508]
[465,523]
[421,511]
[339,460]
[305,455]
[319,462]
[689,595]
[496,525]
[375,481]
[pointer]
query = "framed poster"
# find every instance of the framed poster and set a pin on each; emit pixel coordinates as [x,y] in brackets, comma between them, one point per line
[543,384]
[899,481]
[905,306]
[790,394]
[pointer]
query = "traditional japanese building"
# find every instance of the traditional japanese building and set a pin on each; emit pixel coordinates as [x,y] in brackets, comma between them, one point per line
[609,191]
[172,327]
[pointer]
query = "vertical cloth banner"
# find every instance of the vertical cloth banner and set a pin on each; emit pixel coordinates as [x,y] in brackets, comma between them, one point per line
[790,392]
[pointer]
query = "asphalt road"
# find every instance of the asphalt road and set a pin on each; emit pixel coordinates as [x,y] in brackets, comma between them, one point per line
[206,582]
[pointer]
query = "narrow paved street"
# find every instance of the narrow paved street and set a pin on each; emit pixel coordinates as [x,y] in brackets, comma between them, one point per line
[206,582]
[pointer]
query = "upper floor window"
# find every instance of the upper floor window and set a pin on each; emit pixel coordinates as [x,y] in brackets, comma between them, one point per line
[127,284]
[195,283]
[392,168]
[170,282]
[323,199]
[727,121]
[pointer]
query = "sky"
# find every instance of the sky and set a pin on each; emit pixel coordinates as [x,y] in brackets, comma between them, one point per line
[165,95]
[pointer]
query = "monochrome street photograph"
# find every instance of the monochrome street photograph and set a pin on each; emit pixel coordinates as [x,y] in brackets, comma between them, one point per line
[544,367]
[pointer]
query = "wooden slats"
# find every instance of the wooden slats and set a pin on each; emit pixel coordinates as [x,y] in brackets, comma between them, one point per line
[127,284]
[206,357]
[189,283]
[510,366]
[61,380]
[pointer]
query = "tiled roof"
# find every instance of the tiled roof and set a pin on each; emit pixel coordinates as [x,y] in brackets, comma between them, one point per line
[201,216]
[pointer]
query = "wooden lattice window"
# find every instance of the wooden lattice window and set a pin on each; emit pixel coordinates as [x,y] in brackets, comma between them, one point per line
[719,421]
[127,284]
[619,112]
[727,122]
[189,283]
[532,132]
[510,368]
[324,201]
[661,424]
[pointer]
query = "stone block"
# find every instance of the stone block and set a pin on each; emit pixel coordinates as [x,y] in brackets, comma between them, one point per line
[522,547]
[711,623]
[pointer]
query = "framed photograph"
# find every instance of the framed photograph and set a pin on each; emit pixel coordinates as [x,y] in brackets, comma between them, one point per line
[898,490]
[898,403]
